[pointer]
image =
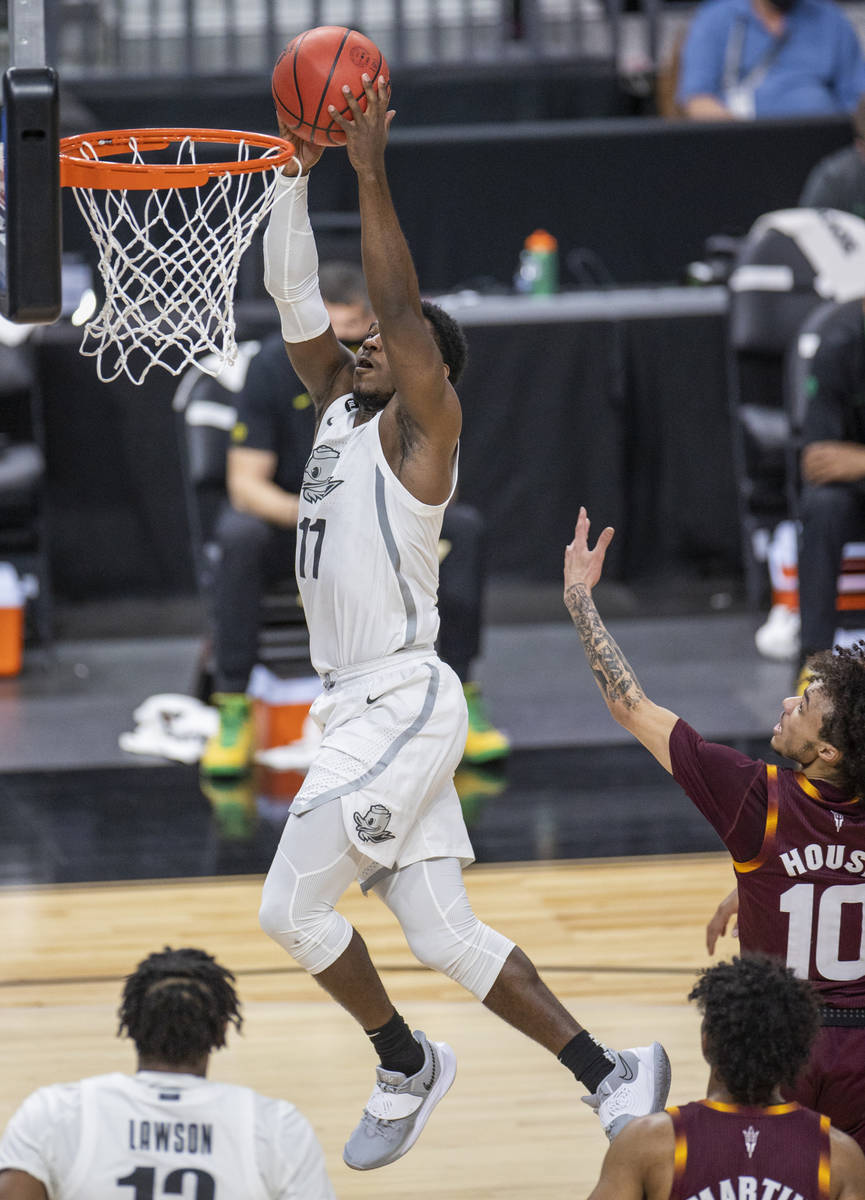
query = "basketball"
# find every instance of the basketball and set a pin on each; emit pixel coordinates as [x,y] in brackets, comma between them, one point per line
[312,71]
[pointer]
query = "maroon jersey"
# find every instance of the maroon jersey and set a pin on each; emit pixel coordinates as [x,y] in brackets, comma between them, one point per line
[730,1152]
[799,854]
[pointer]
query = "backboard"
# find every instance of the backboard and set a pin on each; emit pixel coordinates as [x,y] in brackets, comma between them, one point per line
[30,223]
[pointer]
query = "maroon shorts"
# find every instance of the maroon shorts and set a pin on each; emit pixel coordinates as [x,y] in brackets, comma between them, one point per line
[834,1080]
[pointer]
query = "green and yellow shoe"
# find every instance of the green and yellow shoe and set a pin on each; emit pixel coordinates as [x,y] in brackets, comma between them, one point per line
[475,785]
[232,801]
[484,742]
[230,750]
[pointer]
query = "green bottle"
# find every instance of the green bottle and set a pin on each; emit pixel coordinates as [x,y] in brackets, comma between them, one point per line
[538,272]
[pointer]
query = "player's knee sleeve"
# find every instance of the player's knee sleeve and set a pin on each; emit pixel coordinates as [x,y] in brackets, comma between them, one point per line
[314,934]
[470,952]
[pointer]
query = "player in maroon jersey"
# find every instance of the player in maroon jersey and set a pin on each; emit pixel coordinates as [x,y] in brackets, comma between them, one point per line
[797,837]
[743,1141]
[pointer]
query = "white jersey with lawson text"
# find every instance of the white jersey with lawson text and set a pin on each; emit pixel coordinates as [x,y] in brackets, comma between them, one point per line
[155,1135]
[367,550]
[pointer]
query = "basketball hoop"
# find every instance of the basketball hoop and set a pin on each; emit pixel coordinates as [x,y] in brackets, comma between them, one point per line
[171,230]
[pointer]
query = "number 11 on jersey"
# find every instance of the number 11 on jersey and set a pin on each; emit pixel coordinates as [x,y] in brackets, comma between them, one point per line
[307,527]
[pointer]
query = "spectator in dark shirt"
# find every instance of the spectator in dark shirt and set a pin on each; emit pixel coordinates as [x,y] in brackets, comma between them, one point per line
[832,499]
[271,441]
[838,181]
[770,58]
[796,836]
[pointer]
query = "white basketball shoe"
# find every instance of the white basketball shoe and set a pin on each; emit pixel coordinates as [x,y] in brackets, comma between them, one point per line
[399,1107]
[638,1084]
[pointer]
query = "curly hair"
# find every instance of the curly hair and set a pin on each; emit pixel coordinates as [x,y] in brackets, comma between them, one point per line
[449,337]
[842,676]
[177,1005]
[759,1022]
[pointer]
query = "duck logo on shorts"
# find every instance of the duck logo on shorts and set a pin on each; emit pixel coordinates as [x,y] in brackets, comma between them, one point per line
[318,480]
[372,826]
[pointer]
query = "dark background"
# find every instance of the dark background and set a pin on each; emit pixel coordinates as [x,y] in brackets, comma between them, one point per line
[642,194]
[627,417]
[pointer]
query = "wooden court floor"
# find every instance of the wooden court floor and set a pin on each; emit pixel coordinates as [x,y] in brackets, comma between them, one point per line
[619,940]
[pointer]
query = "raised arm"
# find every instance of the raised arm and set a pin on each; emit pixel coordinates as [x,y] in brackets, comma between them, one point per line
[419,431]
[626,700]
[291,277]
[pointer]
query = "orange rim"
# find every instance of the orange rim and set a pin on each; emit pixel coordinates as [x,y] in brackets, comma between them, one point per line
[78,170]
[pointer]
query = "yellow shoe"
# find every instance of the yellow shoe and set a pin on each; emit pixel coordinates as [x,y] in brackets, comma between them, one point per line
[232,801]
[474,787]
[229,751]
[484,742]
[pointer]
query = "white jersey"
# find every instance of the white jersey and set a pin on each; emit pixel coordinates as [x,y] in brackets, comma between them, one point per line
[367,550]
[154,1135]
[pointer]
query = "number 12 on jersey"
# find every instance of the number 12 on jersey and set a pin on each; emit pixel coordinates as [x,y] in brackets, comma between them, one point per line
[143,1180]
[307,527]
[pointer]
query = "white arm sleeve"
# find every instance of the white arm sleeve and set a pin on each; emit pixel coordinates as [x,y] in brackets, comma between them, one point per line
[291,263]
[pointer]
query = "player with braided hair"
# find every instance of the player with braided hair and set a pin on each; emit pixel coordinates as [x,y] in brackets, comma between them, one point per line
[177,1006]
[759,1024]
[167,1130]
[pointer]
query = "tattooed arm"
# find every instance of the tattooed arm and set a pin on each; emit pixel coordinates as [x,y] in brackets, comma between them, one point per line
[626,700]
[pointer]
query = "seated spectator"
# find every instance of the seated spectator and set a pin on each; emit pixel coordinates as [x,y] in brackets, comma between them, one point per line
[770,58]
[256,533]
[838,181]
[832,499]
[167,1130]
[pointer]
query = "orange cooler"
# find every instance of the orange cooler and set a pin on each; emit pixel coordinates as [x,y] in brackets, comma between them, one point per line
[11,620]
[280,706]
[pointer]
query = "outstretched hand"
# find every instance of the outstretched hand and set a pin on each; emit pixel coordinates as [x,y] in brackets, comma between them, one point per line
[717,927]
[306,153]
[582,565]
[367,129]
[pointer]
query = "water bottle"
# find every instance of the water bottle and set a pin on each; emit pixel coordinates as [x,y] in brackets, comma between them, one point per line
[538,270]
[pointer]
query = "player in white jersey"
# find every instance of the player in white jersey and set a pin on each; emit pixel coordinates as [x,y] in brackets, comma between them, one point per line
[167,1130]
[378,803]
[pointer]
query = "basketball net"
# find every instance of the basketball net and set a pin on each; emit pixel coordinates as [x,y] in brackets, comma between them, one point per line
[170,241]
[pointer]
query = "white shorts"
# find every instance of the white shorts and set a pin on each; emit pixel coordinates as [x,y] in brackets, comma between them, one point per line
[393,733]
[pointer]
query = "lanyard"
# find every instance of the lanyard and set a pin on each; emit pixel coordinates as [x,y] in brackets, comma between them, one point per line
[733,58]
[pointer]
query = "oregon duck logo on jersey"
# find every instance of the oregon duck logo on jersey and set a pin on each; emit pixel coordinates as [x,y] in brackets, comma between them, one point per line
[318,480]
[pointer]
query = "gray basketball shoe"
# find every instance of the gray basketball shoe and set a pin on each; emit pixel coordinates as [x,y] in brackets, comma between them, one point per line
[638,1084]
[399,1107]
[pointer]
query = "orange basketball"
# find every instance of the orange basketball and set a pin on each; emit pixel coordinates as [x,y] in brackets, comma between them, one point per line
[312,71]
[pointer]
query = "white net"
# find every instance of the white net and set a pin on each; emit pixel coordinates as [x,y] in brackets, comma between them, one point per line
[169,260]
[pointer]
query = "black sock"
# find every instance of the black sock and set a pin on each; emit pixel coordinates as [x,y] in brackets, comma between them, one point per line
[397,1050]
[587,1059]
